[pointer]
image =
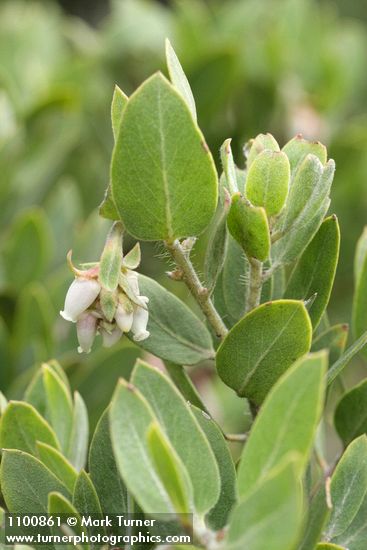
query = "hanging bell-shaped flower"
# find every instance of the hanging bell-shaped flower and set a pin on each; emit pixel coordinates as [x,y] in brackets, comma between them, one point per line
[86,328]
[124,313]
[81,294]
[139,326]
[110,338]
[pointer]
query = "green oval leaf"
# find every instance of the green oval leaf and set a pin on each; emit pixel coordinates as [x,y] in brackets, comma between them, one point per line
[176,334]
[130,418]
[355,536]
[267,181]
[218,516]
[298,148]
[351,413]
[348,487]
[119,101]
[183,432]
[22,426]
[57,464]
[249,226]
[170,469]
[261,347]
[79,437]
[307,204]
[159,199]
[271,515]
[111,490]
[85,498]
[26,483]
[315,270]
[257,146]
[287,421]
[58,504]
[179,79]
[59,408]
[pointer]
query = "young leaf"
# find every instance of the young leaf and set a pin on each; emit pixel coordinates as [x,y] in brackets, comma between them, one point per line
[35,393]
[26,483]
[218,516]
[110,265]
[130,418]
[334,339]
[270,516]
[170,469]
[183,431]
[79,437]
[261,347]
[351,413]
[257,146]
[267,181]
[287,421]
[176,334]
[348,487]
[22,426]
[107,208]
[229,167]
[118,105]
[315,270]
[159,199]
[110,488]
[249,226]
[178,78]
[298,148]
[59,410]
[58,465]
[307,204]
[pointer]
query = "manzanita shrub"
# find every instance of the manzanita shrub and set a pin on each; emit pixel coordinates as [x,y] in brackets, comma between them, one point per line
[270,262]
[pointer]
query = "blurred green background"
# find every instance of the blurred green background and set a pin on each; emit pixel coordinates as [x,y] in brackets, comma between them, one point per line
[279,66]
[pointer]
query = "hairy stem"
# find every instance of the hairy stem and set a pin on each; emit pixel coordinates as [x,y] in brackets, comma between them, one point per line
[254,295]
[199,292]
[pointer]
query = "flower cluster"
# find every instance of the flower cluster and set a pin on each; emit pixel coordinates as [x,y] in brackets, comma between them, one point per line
[110,313]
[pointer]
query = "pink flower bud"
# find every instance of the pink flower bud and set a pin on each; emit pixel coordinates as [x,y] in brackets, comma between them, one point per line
[110,338]
[124,317]
[86,328]
[81,294]
[139,326]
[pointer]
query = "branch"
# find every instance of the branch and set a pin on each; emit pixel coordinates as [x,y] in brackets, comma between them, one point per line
[199,292]
[254,295]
